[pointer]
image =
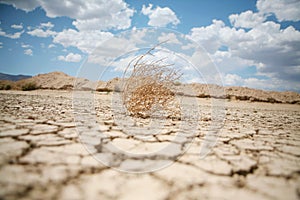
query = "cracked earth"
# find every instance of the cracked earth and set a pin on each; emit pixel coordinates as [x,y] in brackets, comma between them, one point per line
[50,151]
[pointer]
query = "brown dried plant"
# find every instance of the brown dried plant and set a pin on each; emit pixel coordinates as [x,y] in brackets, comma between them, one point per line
[148,90]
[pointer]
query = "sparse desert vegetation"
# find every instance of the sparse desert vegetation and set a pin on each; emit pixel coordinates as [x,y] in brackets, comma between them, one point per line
[150,87]
[5,87]
[29,86]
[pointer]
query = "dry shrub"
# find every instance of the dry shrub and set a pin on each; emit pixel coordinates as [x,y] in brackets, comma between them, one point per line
[29,86]
[148,90]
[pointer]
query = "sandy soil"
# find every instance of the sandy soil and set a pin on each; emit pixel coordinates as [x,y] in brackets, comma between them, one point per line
[52,147]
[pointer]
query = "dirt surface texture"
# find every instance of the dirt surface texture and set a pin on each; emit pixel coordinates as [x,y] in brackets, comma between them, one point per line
[55,147]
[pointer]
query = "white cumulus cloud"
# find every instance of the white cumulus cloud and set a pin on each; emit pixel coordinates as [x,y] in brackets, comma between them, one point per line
[28,52]
[160,17]
[51,46]
[28,5]
[86,41]
[284,10]
[88,15]
[71,57]
[11,36]
[43,30]
[233,80]
[17,26]
[26,46]
[274,51]
[208,36]
[47,25]
[246,19]
[169,37]
[41,33]
[265,84]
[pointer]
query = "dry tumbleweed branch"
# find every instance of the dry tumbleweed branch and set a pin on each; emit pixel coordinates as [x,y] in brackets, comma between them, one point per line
[148,90]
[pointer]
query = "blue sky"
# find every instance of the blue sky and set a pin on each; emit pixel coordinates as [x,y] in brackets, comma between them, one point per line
[251,43]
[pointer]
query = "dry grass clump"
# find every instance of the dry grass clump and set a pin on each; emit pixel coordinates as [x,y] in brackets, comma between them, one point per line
[148,90]
[30,86]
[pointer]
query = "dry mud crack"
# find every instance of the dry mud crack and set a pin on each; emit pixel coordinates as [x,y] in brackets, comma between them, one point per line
[257,155]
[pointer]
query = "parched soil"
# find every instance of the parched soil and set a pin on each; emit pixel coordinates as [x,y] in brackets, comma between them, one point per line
[51,149]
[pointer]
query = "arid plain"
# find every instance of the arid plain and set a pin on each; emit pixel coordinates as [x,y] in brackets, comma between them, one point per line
[49,151]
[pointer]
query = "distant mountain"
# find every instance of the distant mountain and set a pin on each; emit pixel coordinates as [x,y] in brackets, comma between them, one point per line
[10,77]
[58,81]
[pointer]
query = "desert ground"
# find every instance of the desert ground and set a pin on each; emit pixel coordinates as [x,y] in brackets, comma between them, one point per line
[53,148]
